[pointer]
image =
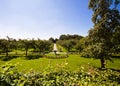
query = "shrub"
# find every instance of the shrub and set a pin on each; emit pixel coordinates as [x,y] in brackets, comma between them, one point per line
[32,56]
[58,56]
[7,58]
[59,76]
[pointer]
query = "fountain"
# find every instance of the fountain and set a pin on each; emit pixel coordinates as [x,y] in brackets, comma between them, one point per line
[55,49]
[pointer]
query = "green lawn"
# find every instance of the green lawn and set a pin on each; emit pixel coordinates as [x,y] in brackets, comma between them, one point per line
[73,62]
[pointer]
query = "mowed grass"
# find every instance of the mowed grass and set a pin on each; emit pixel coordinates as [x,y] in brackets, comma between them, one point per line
[74,62]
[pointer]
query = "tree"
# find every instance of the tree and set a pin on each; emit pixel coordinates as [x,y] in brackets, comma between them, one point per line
[43,45]
[5,45]
[80,45]
[26,45]
[68,44]
[12,44]
[68,37]
[47,45]
[116,38]
[106,19]
[33,44]
[51,39]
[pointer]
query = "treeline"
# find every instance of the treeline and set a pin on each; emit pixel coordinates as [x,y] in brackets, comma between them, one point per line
[10,44]
[68,42]
[71,43]
[68,37]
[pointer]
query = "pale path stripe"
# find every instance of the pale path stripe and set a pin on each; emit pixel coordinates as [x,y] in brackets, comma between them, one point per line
[55,47]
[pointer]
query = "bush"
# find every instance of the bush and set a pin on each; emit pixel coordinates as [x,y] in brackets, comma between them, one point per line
[33,56]
[58,56]
[7,58]
[59,76]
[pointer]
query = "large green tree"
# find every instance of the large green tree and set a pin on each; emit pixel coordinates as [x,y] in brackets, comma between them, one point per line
[106,19]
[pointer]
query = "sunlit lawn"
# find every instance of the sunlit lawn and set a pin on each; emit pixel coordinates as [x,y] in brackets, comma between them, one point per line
[74,62]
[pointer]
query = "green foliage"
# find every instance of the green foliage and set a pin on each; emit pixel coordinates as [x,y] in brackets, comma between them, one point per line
[43,45]
[67,44]
[59,76]
[4,46]
[9,44]
[106,19]
[96,51]
[7,58]
[26,44]
[70,37]
[9,76]
[57,56]
[80,45]
[74,62]
[33,56]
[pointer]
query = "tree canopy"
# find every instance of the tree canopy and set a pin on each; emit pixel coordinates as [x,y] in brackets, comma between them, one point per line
[106,19]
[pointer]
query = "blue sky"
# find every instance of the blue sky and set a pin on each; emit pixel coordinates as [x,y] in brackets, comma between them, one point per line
[44,18]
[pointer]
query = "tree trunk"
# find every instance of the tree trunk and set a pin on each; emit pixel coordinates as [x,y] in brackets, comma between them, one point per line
[68,49]
[16,52]
[7,52]
[102,60]
[26,53]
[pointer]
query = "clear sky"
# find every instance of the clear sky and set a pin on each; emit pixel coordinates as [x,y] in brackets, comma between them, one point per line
[44,18]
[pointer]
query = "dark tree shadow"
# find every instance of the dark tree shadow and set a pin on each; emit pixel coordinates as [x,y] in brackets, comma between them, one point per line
[116,57]
[30,57]
[8,58]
